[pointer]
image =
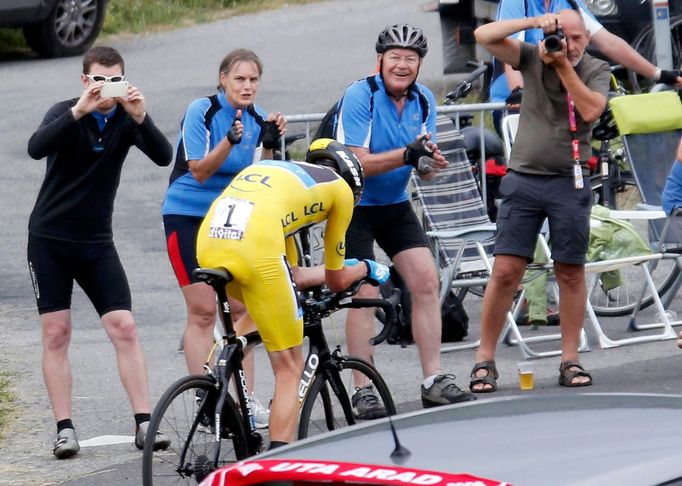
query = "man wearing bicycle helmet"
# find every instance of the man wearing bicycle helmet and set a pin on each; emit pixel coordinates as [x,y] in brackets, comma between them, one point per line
[390,129]
[249,231]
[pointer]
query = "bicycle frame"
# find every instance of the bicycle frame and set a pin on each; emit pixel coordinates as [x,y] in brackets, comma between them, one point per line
[320,357]
[229,366]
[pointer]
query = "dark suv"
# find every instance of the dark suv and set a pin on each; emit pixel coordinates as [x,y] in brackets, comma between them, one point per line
[629,19]
[55,28]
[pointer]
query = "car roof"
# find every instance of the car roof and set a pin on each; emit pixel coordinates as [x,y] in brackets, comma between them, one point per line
[534,440]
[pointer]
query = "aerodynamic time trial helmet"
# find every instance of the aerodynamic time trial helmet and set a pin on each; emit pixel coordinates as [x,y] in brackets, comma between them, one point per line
[329,152]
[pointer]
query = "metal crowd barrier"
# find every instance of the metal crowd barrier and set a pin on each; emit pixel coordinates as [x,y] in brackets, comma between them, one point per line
[311,120]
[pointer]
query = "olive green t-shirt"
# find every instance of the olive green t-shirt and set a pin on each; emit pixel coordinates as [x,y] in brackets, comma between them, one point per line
[543,141]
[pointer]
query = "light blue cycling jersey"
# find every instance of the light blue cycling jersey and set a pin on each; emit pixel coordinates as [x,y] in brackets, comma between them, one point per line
[518,9]
[380,130]
[188,197]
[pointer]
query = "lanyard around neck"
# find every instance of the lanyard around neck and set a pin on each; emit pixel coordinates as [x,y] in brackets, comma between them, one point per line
[573,126]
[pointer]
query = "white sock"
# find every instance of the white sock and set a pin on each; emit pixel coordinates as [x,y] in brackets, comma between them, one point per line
[428,381]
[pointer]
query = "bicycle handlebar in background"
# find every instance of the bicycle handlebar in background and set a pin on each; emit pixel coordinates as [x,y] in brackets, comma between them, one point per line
[464,87]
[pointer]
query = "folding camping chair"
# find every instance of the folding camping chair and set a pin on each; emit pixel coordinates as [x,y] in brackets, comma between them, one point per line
[650,126]
[510,124]
[462,236]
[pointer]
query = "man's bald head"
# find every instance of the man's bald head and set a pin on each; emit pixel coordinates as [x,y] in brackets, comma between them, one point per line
[577,35]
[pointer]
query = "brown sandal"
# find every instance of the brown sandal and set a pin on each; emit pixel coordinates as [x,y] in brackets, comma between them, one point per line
[567,375]
[489,379]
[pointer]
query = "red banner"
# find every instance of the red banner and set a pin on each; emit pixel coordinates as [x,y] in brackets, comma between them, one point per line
[257,472]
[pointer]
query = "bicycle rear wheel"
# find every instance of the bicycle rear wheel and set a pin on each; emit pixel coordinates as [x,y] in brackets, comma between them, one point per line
[328,406]
[622,300]
[184,414]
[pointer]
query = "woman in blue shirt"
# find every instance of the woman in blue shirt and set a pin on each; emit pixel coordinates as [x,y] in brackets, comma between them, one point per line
[219,136]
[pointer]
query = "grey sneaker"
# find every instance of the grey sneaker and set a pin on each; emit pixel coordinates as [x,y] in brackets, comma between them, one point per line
[366,404]
[161,442]
[443,392]
[66,444]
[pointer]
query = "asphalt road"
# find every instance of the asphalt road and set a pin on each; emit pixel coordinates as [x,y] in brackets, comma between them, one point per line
[310,54]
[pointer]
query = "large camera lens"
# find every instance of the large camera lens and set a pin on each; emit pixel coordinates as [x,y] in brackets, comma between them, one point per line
[553,41]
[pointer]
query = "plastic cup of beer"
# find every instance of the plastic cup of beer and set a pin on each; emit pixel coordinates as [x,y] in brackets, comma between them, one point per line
[525,375]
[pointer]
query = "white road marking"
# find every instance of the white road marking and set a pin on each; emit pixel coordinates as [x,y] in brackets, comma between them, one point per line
[104,440]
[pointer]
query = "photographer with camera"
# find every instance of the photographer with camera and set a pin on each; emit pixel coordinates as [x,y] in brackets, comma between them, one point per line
[565,93]
[86,141]
[507,83]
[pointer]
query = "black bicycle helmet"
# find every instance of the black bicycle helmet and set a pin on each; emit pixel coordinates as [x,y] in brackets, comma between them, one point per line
[402,36]
[329,152]
[605,127]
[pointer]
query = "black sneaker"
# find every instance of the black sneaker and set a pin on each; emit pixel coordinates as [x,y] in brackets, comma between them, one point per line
[443,392]
[366,404]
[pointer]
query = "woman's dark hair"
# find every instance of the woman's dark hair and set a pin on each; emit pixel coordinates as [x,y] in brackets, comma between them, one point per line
[106,56]
[237,56]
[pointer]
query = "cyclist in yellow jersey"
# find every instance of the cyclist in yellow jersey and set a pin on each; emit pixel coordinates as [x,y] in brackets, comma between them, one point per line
[248,230]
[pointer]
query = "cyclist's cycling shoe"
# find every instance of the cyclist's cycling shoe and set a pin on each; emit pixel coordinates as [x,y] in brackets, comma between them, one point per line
[161,442]
[366,404]
[444,391]
[66,444]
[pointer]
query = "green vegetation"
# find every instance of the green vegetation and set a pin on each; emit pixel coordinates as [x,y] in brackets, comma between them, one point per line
[145,16]
[135,16]
[6,400]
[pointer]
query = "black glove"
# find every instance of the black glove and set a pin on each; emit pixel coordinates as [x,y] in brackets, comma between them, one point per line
[515,96]
[414,151]
[232,136]
[271,136]
[668,77]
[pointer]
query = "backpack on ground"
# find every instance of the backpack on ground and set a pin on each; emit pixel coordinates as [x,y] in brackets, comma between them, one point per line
[454,317]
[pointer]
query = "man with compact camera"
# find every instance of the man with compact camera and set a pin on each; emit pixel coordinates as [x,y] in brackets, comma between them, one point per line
[565,92]
[86,140]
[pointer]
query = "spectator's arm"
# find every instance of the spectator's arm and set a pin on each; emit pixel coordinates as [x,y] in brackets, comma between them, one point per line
[494,37]
[514,77]
[590,104]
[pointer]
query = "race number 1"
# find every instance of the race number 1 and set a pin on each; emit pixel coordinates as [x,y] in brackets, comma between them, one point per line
[230,218]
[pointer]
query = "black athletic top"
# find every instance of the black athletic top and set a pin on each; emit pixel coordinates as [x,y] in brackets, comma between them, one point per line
[76,200]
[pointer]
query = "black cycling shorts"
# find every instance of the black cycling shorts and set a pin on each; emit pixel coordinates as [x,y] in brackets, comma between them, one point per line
[96,267]
[181,242]
[395,228]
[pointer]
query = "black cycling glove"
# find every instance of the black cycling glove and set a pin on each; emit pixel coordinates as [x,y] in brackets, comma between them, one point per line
[271,136]
[668,77]
[414,151]
[232,136]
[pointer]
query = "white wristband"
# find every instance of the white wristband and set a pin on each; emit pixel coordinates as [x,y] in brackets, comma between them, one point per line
[657,76]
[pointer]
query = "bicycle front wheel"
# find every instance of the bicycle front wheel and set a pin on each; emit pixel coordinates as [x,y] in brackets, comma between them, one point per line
[184,413]
[328,404]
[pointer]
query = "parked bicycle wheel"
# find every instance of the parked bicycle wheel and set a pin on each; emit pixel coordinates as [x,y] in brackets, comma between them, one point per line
[617,294]
[185,414]
[329,402]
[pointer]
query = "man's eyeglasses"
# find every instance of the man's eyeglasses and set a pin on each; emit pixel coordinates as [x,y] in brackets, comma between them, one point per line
[409,60]
[107,79]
